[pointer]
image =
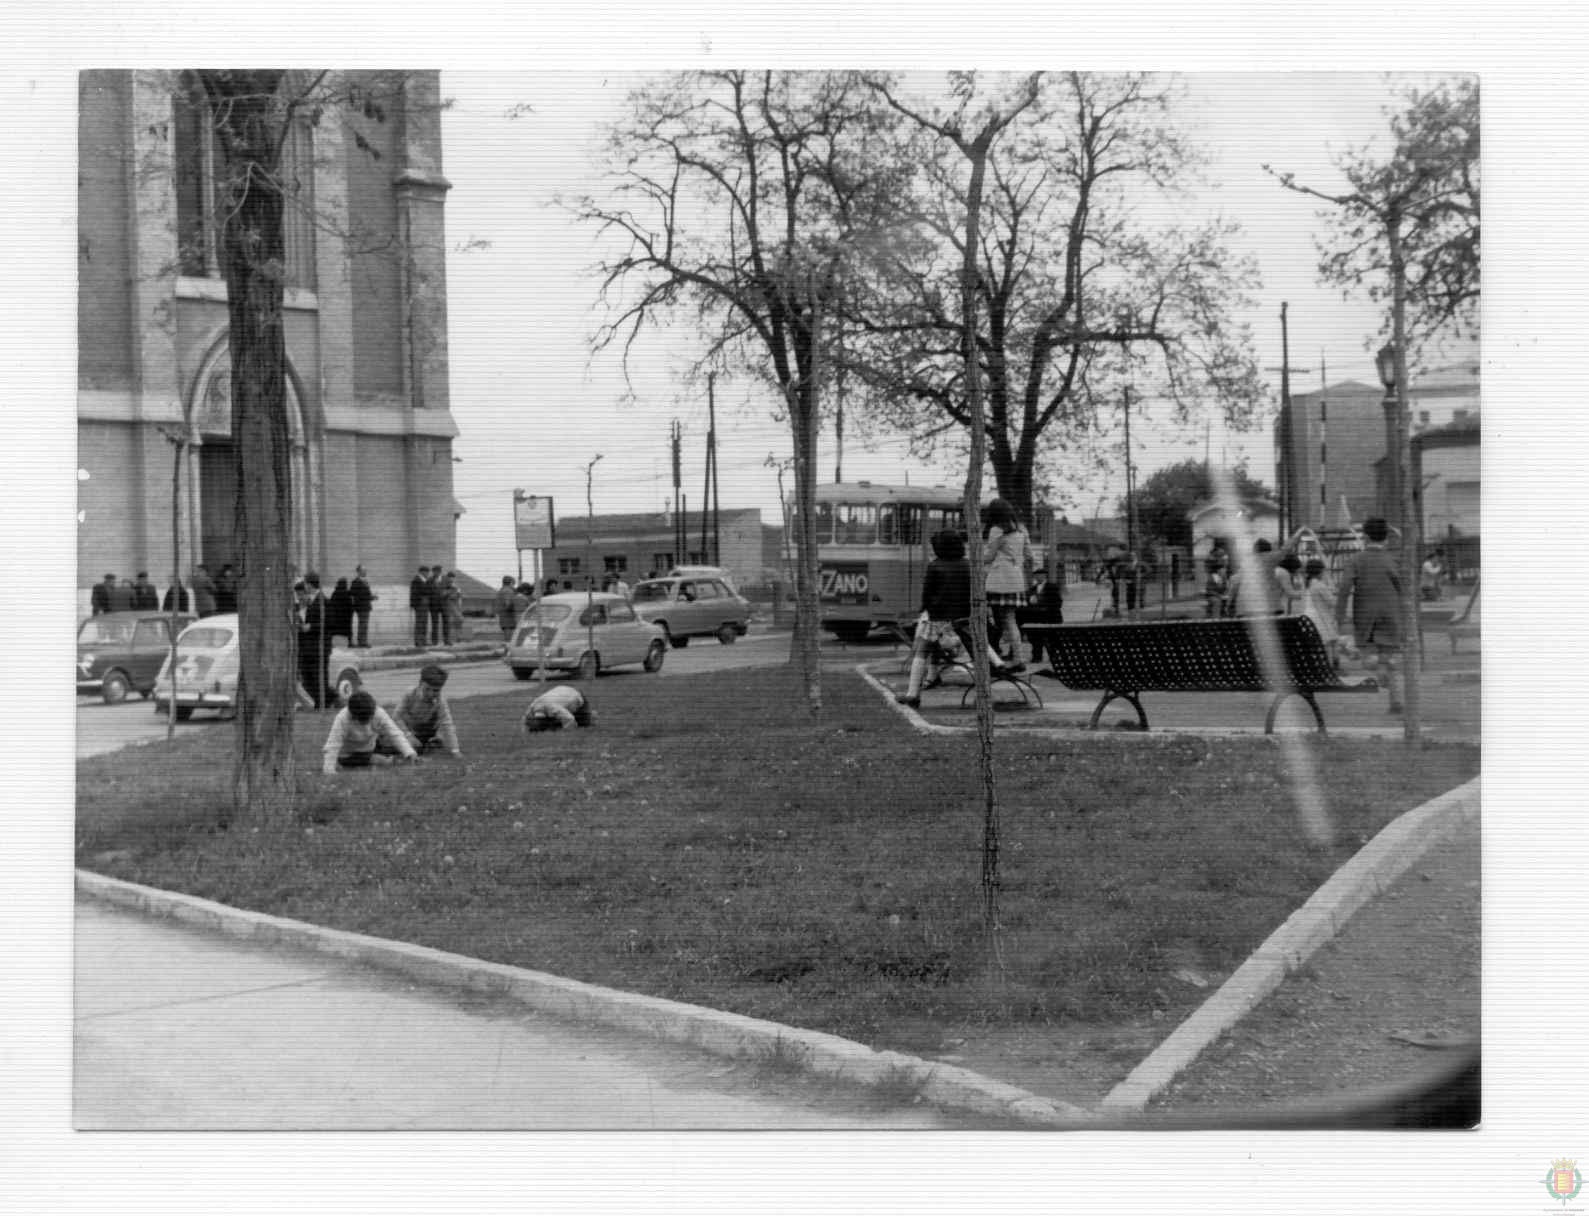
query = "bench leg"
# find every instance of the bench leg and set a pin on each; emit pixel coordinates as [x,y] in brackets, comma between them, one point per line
[1028,692]
[1142,718]
[1274,709]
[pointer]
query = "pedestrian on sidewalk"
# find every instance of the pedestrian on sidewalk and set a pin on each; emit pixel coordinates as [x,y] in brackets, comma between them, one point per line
[1371,586]
[363,599]
[436,606]
[506,608]
[419,603]
[451,609]
[339,613]
[313,642]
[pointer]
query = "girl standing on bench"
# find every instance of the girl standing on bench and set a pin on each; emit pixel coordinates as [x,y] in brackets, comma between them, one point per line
[1005,555]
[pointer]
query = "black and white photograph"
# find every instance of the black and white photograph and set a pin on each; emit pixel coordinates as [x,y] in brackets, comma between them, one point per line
[917,611]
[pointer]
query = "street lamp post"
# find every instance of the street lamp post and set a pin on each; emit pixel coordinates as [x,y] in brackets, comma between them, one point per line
[1385,360]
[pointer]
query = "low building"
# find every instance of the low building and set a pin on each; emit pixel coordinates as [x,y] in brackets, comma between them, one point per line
[1445,465]
[634,546]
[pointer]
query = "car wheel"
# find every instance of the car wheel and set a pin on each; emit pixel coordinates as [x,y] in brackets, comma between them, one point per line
[678,643]
[115,687]
[347,684]
[589,666]
[726,634]
[184,712]
[655,653]
[523,673]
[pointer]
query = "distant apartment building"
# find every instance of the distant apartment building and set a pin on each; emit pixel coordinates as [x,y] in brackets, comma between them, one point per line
[366,336]
[1331,449]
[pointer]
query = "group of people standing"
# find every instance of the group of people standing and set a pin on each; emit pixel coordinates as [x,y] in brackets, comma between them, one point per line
[436,601]
[1369,593]
[203,596]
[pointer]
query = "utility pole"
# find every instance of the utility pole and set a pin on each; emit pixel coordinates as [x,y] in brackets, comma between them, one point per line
[678,498]
[838,414]
[1324,447]
[1291,512]
[1131,498]
[590,563]
[711,462]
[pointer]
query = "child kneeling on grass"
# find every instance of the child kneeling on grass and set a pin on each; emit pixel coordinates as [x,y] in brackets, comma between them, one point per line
[558,707]
[363,734]
[423,714]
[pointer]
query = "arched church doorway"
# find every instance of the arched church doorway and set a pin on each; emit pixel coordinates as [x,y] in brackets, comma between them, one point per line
[215,471]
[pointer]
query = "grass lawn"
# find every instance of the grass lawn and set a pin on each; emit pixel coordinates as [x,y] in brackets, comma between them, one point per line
[706,842]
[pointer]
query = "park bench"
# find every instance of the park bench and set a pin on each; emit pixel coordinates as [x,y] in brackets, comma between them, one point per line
[1125,660]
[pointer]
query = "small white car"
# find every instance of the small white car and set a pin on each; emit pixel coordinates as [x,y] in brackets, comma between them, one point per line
[583,634]
[208,666]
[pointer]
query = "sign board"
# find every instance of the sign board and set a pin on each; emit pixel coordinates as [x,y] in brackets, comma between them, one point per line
[843,583]
[533,524]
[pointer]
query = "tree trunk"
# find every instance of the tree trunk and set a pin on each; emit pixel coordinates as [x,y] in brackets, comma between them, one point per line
[264,776]
[1411,648]
[978,153]
[803,419]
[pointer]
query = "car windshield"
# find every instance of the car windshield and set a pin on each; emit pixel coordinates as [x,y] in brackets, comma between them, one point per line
[546,614]
[653,591]
[97,631]
[206,637]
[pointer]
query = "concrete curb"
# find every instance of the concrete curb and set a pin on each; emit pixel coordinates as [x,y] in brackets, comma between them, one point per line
[1075,730]
[1372,871]
[727,1034]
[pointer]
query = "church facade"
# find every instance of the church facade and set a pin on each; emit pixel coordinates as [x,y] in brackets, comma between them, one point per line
[365,326]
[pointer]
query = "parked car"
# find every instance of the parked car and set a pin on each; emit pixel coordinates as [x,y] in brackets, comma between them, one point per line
[693,606]
[121,652]
[566,623]
[208,665]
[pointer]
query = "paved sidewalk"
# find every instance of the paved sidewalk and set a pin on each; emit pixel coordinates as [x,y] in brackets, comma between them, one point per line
[180,1029]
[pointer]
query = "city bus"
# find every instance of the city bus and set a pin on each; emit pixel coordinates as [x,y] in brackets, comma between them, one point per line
[872,549]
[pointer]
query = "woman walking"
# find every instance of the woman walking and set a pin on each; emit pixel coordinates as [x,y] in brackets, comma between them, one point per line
[1004,553]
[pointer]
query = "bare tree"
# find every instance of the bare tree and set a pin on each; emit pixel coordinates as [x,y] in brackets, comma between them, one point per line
[251,114]
[1407,233]
[971,128]
[743,199]
[1070,269]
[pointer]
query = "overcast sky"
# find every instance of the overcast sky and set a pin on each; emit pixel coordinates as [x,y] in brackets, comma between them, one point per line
[534,406]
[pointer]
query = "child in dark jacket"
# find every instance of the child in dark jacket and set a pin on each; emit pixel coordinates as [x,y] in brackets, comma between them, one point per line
[945,599]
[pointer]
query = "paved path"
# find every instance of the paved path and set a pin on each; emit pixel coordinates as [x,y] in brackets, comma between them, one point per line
[176,1029]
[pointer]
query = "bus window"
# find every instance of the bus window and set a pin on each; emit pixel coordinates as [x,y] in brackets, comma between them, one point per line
[887,531]
[909,524]
[944,519]
[857,524]
[824,523]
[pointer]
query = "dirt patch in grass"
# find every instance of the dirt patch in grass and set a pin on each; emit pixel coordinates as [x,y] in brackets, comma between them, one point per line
[709,843]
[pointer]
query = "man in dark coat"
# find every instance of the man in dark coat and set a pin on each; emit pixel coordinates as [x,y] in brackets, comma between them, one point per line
[99,597]
[313,642]
[363,597]
[226,589]
[419,602]
[436,591]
